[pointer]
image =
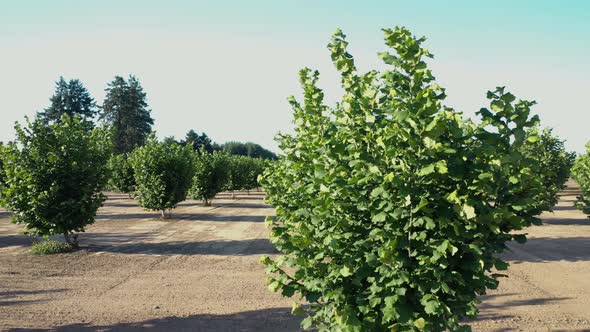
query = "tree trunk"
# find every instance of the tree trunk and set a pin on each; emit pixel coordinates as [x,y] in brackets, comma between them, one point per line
[207,202]
[73,242]
[163,214]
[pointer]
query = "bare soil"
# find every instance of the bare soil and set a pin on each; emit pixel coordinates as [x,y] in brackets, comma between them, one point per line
[199,271]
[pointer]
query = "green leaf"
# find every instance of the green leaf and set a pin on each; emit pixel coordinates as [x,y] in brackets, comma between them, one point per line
[420,324]
[468,211]
[429,169]
[379,217]
[377,191]
[345,271]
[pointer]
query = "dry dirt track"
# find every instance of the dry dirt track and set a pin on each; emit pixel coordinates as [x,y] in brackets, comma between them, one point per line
[200,272]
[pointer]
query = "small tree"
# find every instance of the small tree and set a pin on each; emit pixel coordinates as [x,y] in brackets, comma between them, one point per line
[54,176]
[211,176]
[391,208]
[163,174]
[236,175]
[255,168]
[121,177]
[581,173]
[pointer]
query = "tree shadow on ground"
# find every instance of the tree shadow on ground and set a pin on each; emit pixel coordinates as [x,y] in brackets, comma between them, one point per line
[16,240]
[497,311]
[566,221]
[546,249]
[5,214]
[15,297]
[152,215]
[214,217]
[275,319]
[216,247]
[564,208]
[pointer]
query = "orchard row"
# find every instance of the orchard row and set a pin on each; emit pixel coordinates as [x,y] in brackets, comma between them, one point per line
[53,175]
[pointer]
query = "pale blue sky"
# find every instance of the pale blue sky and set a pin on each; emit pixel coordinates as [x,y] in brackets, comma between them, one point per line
[226,67]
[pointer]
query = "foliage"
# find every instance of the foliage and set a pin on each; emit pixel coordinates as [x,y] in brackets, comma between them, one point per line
[121,176]
[70,98]
[55,174]
[391,207]
[163,174]
[248,149]
[553,164]
[198,142]
[126,111]
[211,176]
[581,173]
[244,172]
[50,247]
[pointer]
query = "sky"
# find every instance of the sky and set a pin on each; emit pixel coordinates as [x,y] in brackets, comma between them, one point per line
[226,68]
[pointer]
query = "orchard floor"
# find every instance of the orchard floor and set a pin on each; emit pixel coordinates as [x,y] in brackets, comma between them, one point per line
[199,271]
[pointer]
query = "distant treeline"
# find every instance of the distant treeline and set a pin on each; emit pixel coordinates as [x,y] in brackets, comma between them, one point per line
[126,113]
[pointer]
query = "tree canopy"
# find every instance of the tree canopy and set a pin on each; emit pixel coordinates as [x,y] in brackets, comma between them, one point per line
[391,209]
[55,174]
[125,110]
[248,149]
[163,174]
[71,98]
[198,142]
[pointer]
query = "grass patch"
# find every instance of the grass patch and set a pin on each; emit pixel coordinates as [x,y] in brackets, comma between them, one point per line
[50,247]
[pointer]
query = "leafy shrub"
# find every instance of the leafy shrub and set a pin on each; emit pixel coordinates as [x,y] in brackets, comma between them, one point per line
[581,173]
[121,177]
[244,172]
[163,174]
[210,177]
[54,175]
[390,207]
[237,176]
[553,164]
[50,247]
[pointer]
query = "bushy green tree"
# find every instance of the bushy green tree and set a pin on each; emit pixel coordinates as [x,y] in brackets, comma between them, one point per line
[54,176]
[581,173]
[2,172]
[71,98]
[163,174]
[210,177]
[255,168]
[121,176]
[390,207]
[554,164]
[125,110]
[237,174]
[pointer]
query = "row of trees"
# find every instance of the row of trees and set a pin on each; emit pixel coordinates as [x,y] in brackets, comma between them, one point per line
[53,174]
[392,208]
[161,174]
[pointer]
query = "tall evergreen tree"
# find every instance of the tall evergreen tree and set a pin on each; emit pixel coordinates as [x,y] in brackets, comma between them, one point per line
[71,98]
[197,141]
[125,109]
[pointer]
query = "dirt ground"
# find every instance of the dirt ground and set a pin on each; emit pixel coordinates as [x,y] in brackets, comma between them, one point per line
[200,272]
